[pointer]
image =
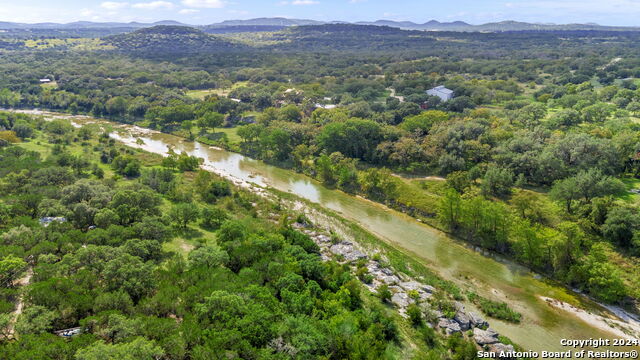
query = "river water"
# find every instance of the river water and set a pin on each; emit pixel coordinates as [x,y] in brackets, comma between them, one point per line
[542,326]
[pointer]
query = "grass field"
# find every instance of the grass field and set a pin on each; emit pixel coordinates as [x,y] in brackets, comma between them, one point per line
[51,86]
[631,183]
[232,134]
[201,94]
[72,43]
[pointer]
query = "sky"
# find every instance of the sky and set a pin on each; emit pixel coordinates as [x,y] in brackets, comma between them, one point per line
[604,12]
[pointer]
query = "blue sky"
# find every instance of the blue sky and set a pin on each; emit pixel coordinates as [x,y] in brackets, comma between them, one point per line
[606,12]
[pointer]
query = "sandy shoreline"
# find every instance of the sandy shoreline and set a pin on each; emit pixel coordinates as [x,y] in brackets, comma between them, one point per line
[629,329]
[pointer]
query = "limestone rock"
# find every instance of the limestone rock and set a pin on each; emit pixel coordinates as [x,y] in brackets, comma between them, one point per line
[428,288]
[485,337]
[401,299]
[346,249]
[500,347]
[389,279]
[463,319]
[477,320]
[450,326]
[411,285]
[387,271]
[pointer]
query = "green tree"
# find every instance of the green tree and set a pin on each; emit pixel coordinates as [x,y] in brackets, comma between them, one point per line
[184,213]
[138,349]
[126,165]
[531,114]
[450,209]
[354,138]
[216,190]
[210,121]
[185,162]
[35,320]
[132,205]
[213,218]
[497,182]
[209,256]
[128,273]
[379,183]
[116,106]
[11,268]
[290,113]
[586,185]
[459,180]
[423,122]
[621,225]
[105,218]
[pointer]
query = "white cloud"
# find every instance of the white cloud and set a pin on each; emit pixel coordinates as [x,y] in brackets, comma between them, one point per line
[86,12]
[153,5]
[210,4]
[113,5]
[188,11]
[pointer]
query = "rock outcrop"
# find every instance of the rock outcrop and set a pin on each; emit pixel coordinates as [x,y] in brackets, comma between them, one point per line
[485,337]
[406,290]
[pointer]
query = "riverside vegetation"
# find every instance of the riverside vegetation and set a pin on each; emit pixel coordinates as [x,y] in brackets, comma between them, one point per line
[154,259]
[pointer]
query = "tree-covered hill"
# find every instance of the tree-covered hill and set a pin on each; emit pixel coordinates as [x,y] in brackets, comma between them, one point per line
[165,39]
[350,37]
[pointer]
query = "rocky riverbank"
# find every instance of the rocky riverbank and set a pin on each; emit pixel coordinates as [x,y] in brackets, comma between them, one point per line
[406,290]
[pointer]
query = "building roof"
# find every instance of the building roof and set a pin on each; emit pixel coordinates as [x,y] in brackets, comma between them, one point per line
[45,221]
[442,89]
[327,106]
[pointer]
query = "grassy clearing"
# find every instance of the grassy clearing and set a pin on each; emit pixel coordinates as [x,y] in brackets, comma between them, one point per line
[420,194]
[36,145]
[232,134]
[201,94]
[49,86]
[630,183]
[73,43]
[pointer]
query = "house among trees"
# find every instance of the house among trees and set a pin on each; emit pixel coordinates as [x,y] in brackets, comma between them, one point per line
[325,106]
[45,81]
[442,92]
[46,221]
[67,333]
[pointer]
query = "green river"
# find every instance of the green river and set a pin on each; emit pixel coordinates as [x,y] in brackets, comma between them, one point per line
[542,326]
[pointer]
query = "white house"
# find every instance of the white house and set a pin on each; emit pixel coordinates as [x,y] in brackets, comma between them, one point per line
[442,92]
[326,106]
[45,81]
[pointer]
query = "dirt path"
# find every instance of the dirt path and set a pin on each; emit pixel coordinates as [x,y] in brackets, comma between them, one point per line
[434,178]
[22,282]
[393,94]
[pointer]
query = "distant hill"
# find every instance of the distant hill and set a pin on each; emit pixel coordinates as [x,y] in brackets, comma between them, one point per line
[229,29]
[170,39]
[434,25]
[349,37]
[277,23]
[430,25]
[85,25]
